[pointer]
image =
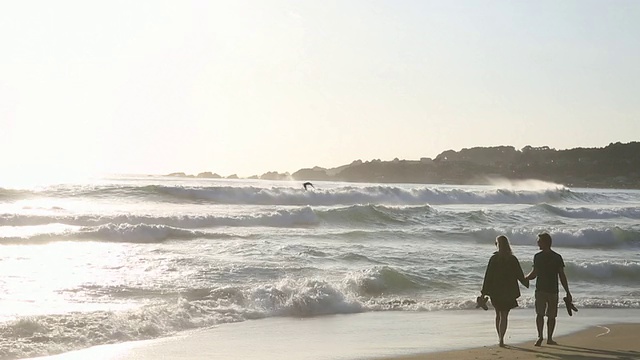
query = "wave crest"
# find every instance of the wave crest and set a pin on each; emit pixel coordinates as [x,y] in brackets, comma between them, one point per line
[589,213]
[614,237]
[346,195]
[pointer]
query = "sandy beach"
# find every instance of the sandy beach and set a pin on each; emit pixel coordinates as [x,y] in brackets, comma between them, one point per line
[618,341]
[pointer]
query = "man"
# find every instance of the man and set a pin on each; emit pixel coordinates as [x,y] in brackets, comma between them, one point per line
[548,266]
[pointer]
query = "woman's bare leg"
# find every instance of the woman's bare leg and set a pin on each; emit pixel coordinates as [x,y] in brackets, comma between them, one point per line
[504,322]
[498,323]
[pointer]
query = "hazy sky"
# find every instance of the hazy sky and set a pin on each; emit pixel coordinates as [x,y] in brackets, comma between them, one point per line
[248,87]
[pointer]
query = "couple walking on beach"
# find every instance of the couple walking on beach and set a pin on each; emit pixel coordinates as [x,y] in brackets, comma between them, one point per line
[501,285]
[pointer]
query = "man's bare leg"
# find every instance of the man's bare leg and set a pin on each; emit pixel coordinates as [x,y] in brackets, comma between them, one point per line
[551,325]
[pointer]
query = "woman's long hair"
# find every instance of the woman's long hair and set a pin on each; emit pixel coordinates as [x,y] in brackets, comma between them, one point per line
[504,249]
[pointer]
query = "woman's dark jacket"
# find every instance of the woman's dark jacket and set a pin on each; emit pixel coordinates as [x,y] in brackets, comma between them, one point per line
[502,276]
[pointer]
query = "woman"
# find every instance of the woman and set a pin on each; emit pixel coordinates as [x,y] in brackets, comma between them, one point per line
[501,283]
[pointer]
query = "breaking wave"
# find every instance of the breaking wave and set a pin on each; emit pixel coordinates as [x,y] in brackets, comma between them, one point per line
[346,195]
[614,237]
[589,213]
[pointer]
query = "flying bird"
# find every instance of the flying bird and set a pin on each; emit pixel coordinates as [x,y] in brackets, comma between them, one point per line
[308,184]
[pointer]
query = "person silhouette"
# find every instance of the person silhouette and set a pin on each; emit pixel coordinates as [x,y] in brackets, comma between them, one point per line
[548,266]
[501,284]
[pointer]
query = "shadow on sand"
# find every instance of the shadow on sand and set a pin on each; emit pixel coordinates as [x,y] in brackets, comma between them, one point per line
[579,353]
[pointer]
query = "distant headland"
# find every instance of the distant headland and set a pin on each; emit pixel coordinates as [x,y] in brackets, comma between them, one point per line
[614,166]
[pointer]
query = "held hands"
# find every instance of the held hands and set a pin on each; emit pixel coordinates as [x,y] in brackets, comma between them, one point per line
[530,276]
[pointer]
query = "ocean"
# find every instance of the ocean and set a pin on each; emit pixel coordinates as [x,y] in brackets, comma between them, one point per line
[129,258]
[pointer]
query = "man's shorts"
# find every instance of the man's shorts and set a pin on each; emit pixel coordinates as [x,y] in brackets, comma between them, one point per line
[546,304]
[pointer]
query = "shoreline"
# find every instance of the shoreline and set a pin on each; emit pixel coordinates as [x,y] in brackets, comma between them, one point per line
[464,334]
[613,341]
